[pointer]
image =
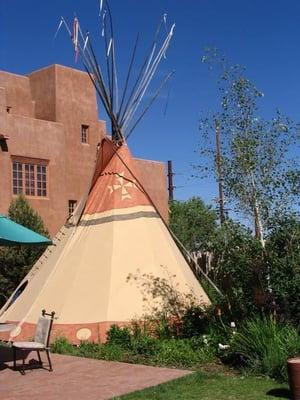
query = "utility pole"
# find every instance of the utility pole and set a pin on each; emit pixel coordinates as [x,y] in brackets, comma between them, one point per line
[170,181]
[219,172]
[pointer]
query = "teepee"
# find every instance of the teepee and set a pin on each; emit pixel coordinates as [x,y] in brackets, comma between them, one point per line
[115,233]
[84,275]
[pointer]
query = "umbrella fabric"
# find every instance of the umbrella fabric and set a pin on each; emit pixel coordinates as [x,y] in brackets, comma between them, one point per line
[12,234]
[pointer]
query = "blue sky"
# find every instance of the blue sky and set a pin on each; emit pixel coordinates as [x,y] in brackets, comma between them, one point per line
[262,35]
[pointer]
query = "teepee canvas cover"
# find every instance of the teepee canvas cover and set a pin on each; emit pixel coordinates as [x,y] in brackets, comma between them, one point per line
[83,277]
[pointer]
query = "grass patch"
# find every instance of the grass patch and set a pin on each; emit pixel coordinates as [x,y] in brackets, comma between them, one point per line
[200,386]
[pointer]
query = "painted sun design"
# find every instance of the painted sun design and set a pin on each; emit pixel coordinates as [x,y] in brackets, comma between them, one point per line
[121,184]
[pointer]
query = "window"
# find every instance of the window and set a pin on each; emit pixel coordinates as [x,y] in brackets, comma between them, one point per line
[29,178]
[41,180]
[84,133]
[72,206]
[17,178]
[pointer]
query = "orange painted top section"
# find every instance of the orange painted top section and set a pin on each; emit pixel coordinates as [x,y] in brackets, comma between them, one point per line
[116,186]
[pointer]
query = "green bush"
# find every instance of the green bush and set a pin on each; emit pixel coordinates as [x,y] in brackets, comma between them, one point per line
[283,258]
[16,261]
[62,346]
[143,350]
[165,328]
[266,345]
[144,345]
[238,270]
[182,353]
[119,335]
[112,352]
[195,321]
[89,350]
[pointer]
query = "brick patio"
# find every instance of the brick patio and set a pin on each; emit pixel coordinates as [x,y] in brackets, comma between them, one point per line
[78,378]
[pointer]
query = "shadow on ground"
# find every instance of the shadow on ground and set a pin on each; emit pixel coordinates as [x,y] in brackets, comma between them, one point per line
[6,356]
[281,393]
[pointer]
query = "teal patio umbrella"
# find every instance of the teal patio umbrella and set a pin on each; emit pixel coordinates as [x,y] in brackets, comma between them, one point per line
[12,234]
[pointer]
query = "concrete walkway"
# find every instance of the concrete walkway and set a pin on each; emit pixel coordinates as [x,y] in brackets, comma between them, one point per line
[79,378]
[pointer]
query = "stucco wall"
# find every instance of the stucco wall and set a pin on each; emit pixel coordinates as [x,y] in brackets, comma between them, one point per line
[76,105]
[43,91]
[153,176]
[18,95]
[44,122]
[43,140]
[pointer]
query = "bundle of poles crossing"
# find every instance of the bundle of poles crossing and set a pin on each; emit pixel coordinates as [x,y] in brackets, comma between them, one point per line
[125,108]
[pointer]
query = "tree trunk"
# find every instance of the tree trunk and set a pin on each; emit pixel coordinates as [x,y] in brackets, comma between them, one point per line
[259,234]
[219,172]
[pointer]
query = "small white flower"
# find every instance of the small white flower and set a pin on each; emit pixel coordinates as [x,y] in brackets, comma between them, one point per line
[232,324]
[223,346]
[205,341]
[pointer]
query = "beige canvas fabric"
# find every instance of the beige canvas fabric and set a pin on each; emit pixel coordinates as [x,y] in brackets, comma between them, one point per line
[95,270]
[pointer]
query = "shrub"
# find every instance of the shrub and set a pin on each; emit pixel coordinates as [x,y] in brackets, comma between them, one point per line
[16,261]
[165,328]
[63,346]
[238,269]
[182,353]
[120,336]
[143,350]
[266,345]
[109,351]
[89,350]
[283,255]
[195,321]
[144,345]
[170,312]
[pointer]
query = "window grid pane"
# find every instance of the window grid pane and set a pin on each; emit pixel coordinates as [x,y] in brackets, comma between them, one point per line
[84,133]
[17,178]
[29,178]
[41,181]
[72,206]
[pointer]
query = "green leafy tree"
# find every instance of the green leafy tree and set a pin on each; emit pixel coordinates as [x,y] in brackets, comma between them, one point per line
[283,257]
[254,281]
[238,270]
[193,222]
[16,261]
[258,163]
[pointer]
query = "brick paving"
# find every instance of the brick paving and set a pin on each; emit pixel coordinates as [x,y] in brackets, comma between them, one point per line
[78,378]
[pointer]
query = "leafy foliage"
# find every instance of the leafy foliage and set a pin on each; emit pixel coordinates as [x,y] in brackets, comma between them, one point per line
[238,269]
[143,349]
[259,171]
[161,295]
[16,261]
[266,345]
[193,223]
[195,321]
[283,260]
[120,336]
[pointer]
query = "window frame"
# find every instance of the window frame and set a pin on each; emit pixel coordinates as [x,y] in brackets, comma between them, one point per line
[85,133]
[72,204]
[28,183]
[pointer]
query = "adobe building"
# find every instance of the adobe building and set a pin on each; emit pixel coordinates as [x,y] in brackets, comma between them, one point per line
[49,133]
